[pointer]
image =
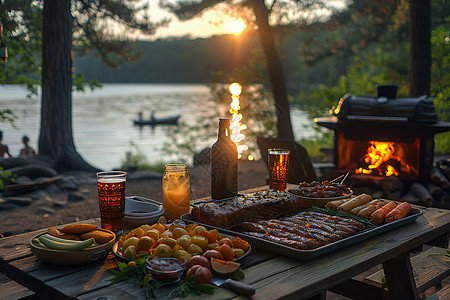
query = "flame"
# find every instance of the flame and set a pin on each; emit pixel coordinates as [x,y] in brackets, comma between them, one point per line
[377,154]
[236,126]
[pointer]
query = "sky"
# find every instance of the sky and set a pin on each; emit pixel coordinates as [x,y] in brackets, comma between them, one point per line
[212,22]
[209,24]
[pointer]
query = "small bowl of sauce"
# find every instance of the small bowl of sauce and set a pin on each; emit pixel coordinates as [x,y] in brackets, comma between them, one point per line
[165,269]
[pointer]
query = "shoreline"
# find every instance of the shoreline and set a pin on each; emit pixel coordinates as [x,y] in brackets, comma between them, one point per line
[53,207]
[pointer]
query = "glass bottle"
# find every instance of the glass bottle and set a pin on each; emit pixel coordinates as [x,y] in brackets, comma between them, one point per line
[224,163]
[176,191]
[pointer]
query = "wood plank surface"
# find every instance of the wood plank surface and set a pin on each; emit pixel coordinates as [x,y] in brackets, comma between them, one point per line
[12,290]
[274,277]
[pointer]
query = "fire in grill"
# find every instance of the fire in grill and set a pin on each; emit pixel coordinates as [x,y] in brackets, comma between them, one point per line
[385,135]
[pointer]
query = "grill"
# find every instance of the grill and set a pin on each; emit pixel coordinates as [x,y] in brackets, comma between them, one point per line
[366,127]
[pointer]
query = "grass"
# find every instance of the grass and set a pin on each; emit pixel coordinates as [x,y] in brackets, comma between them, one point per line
[135,160]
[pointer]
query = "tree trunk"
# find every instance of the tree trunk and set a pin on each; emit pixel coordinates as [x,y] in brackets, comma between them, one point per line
[420,47]
[277,81]
[56,139]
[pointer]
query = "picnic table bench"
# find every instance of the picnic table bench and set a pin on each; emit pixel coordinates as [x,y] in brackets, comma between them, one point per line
[274,276]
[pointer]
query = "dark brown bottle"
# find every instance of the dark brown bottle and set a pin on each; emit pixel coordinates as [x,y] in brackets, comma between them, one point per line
[224,163]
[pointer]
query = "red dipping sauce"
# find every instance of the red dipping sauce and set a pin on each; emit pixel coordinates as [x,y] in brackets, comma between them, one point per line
[165,269]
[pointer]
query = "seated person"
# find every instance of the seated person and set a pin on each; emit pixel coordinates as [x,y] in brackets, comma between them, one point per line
[27,150]
[4,152]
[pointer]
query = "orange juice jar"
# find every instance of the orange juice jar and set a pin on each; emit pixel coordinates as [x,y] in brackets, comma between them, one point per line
[176,191]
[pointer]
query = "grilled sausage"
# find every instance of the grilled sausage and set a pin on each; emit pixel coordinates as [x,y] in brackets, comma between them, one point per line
[301,231]
[281,241]
[371,207]
[355,202]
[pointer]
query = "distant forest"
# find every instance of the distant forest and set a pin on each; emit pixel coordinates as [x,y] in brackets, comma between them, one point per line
[184,60]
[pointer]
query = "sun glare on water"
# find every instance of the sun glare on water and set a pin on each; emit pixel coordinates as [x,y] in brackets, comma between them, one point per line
[235,26]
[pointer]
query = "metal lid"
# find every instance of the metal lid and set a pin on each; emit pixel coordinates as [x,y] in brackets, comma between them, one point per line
[420,109]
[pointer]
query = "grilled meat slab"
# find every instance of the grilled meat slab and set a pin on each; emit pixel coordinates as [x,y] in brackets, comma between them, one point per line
[252,207]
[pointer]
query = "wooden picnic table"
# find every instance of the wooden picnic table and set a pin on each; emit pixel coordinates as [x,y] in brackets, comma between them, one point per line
[274,276]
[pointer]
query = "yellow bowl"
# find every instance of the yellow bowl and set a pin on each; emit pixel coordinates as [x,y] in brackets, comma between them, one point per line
[73,258]
[320,202]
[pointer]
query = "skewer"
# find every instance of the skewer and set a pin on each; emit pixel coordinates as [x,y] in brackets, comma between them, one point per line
[337,178]
[342,181]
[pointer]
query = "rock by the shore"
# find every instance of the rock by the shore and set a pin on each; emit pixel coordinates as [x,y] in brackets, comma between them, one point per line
[19,200]
[68,183]
[50,205]
[75,196]
[44,210]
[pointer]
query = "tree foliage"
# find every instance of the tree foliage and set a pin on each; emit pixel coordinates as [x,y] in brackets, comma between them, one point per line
[180,60]
[101,25]
[56,27]
[386,62]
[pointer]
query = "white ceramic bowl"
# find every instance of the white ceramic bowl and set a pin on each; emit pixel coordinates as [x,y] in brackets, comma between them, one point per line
[140,210]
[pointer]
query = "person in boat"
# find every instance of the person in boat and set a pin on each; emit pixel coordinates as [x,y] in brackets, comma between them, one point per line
[152,116]
[4,151]
[27,150]
[140,116]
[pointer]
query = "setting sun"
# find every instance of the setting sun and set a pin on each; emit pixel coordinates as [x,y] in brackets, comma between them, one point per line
[235,26]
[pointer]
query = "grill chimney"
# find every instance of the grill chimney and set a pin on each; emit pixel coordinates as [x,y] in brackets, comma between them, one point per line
[388,91]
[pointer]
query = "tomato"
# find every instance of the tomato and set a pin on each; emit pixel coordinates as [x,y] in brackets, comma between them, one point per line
[226,251]
[199,260]
[212,253]
[202,274]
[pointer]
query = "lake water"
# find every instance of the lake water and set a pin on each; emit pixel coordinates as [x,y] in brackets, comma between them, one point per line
[103,128]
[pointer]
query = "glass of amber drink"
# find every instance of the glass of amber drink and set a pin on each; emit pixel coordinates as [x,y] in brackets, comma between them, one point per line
[176,191]
[278,168]
[111,196]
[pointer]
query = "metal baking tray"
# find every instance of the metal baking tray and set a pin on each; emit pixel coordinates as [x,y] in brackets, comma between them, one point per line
[312,254]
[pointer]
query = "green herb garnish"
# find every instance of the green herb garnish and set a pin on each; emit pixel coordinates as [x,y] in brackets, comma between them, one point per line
[137,275]
[190,288]
[367,223]
[238,275]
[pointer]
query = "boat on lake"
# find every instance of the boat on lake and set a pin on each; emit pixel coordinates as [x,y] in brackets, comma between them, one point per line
[156,121]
